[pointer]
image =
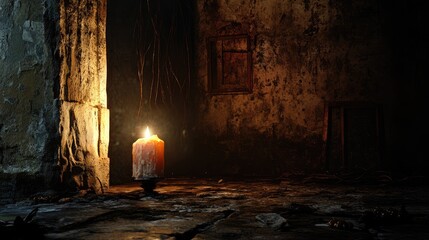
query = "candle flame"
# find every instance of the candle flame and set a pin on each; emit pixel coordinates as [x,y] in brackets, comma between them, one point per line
[147,133]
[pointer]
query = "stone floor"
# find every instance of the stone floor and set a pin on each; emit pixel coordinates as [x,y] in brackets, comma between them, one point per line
[307,208]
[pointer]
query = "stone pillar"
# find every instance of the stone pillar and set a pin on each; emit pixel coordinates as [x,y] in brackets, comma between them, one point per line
[84,118]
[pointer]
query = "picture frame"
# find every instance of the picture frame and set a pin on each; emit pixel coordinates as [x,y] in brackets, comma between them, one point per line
[229,64]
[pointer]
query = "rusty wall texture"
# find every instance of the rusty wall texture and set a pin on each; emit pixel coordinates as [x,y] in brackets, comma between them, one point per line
[27,109]
[305,53]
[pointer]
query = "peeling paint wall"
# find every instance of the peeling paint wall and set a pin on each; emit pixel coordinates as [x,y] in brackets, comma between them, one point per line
[305,53]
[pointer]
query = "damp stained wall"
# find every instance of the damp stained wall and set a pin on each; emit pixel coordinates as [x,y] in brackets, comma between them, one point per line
[305,54]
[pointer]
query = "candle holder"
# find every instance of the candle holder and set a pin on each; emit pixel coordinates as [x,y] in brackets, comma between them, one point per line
[149,184]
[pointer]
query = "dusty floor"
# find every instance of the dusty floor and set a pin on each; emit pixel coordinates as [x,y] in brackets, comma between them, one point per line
[315,208]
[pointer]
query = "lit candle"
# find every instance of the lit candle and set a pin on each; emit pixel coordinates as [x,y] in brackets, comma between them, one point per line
[148,157]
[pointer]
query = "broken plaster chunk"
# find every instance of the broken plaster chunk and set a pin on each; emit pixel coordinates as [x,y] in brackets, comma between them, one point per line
[32,31]
[272,220]
[26,36]
[340,224]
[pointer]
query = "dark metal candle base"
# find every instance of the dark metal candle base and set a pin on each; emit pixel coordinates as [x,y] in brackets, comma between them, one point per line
[149,184]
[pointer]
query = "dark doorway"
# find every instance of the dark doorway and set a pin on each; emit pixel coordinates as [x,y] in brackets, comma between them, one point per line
[354,136]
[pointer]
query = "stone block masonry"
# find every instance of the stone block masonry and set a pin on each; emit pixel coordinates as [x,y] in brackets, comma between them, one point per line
[54,121]
[84,117]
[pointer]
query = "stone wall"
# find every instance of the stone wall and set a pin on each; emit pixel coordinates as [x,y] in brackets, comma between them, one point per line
[53,111]
[305,54]
[27,110]
[84,119]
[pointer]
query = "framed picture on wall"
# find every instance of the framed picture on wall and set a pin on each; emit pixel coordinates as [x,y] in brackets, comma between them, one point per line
[229,65]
